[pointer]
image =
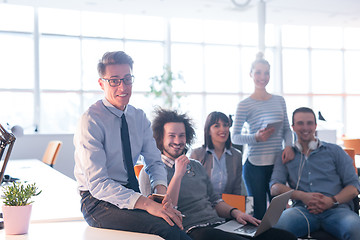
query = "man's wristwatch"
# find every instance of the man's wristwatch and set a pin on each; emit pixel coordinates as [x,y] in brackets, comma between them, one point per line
[335,202]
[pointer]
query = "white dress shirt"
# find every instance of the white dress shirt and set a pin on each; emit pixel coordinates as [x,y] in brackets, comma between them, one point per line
[219,171]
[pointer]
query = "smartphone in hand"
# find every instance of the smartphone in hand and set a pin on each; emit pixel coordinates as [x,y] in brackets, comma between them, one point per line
[158,197]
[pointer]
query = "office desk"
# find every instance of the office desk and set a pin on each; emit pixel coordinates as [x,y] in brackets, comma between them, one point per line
[59,200]
[56,211]
[74,230]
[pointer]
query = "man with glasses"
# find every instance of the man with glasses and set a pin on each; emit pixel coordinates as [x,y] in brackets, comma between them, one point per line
[110,137]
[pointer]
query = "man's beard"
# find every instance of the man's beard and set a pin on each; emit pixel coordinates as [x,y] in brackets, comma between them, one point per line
[172,155]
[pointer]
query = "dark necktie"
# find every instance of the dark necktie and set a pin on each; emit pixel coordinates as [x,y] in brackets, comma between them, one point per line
[133,183]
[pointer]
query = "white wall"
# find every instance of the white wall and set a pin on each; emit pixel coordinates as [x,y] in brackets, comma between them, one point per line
[32,146]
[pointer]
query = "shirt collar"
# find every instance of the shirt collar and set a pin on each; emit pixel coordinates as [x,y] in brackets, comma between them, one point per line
[167,161]
[227,151]
[113,109]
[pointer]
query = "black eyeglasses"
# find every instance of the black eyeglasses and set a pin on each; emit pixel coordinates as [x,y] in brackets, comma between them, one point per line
[114,82]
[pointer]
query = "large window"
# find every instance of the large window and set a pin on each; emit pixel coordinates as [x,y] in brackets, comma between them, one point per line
[319,72]
[49,77]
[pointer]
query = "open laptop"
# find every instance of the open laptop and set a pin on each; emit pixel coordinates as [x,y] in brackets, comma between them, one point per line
[270,218]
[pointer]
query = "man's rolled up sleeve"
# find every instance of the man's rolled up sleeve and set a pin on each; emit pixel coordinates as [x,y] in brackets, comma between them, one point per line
[279,174]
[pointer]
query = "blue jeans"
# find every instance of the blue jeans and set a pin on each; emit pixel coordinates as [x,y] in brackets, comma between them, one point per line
[102,214]
[340,222]
[211,233]
[257,180]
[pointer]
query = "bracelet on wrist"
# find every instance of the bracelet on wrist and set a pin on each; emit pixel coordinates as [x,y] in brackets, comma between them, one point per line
[231,210]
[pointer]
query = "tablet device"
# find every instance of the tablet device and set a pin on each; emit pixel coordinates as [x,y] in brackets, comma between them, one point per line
[276,125]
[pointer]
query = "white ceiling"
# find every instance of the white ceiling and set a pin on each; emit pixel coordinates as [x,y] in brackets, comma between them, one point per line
[299,12]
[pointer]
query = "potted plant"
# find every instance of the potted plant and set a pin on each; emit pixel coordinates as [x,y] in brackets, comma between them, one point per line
[162,87]
[17,206]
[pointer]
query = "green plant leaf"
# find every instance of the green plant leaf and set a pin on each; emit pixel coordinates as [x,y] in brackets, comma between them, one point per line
[19,194]
[162,86]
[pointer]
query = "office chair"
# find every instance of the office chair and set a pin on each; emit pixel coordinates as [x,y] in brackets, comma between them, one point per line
[351,153]
[236,201]
[137,169]
[354,144]
[51,152]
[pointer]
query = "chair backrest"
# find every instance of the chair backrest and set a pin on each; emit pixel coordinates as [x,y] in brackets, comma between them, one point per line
[137,169]
[51,152]
[351,153]
[352,143]
[237,201]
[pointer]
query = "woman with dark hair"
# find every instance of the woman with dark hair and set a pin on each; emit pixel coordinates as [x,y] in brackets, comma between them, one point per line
[223,163]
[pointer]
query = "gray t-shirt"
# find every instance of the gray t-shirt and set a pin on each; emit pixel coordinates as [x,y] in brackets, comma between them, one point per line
[196,198]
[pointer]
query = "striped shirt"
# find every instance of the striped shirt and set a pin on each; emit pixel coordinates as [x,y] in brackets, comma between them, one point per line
[257,114]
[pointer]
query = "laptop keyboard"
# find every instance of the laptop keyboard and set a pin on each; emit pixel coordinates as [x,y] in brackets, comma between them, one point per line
[248,228]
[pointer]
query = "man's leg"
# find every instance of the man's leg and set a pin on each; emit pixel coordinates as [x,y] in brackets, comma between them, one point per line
[102,214]
[342,223]
[298,221]
[211,233]
[257,184]
[275,233]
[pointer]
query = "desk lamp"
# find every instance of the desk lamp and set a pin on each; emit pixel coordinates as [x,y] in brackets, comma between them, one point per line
[5,140]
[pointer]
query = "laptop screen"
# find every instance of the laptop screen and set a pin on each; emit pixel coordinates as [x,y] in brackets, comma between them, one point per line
[7,141]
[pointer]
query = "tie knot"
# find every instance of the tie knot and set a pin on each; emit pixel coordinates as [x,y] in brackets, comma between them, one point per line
[123,119]
[124,125]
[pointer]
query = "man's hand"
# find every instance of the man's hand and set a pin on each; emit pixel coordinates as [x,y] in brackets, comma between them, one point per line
[263,135]
[174,186]
[167,204]
[319,203]
[167,200]
[180,165]
[166,211]
[316,202]
[288,154]
[244,218]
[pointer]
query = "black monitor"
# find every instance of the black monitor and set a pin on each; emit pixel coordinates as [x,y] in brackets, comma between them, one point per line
[7,141]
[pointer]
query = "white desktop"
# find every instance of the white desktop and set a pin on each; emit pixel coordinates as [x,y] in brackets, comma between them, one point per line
[56,211]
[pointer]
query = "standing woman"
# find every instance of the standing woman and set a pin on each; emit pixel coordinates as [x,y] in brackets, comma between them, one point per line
[264,145]
[222,162]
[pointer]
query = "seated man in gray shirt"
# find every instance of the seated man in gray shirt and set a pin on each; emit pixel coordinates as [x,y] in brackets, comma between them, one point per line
[110,137]
[324,180]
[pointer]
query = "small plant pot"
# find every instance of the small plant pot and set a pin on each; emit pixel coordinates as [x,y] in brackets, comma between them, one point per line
[16,219]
